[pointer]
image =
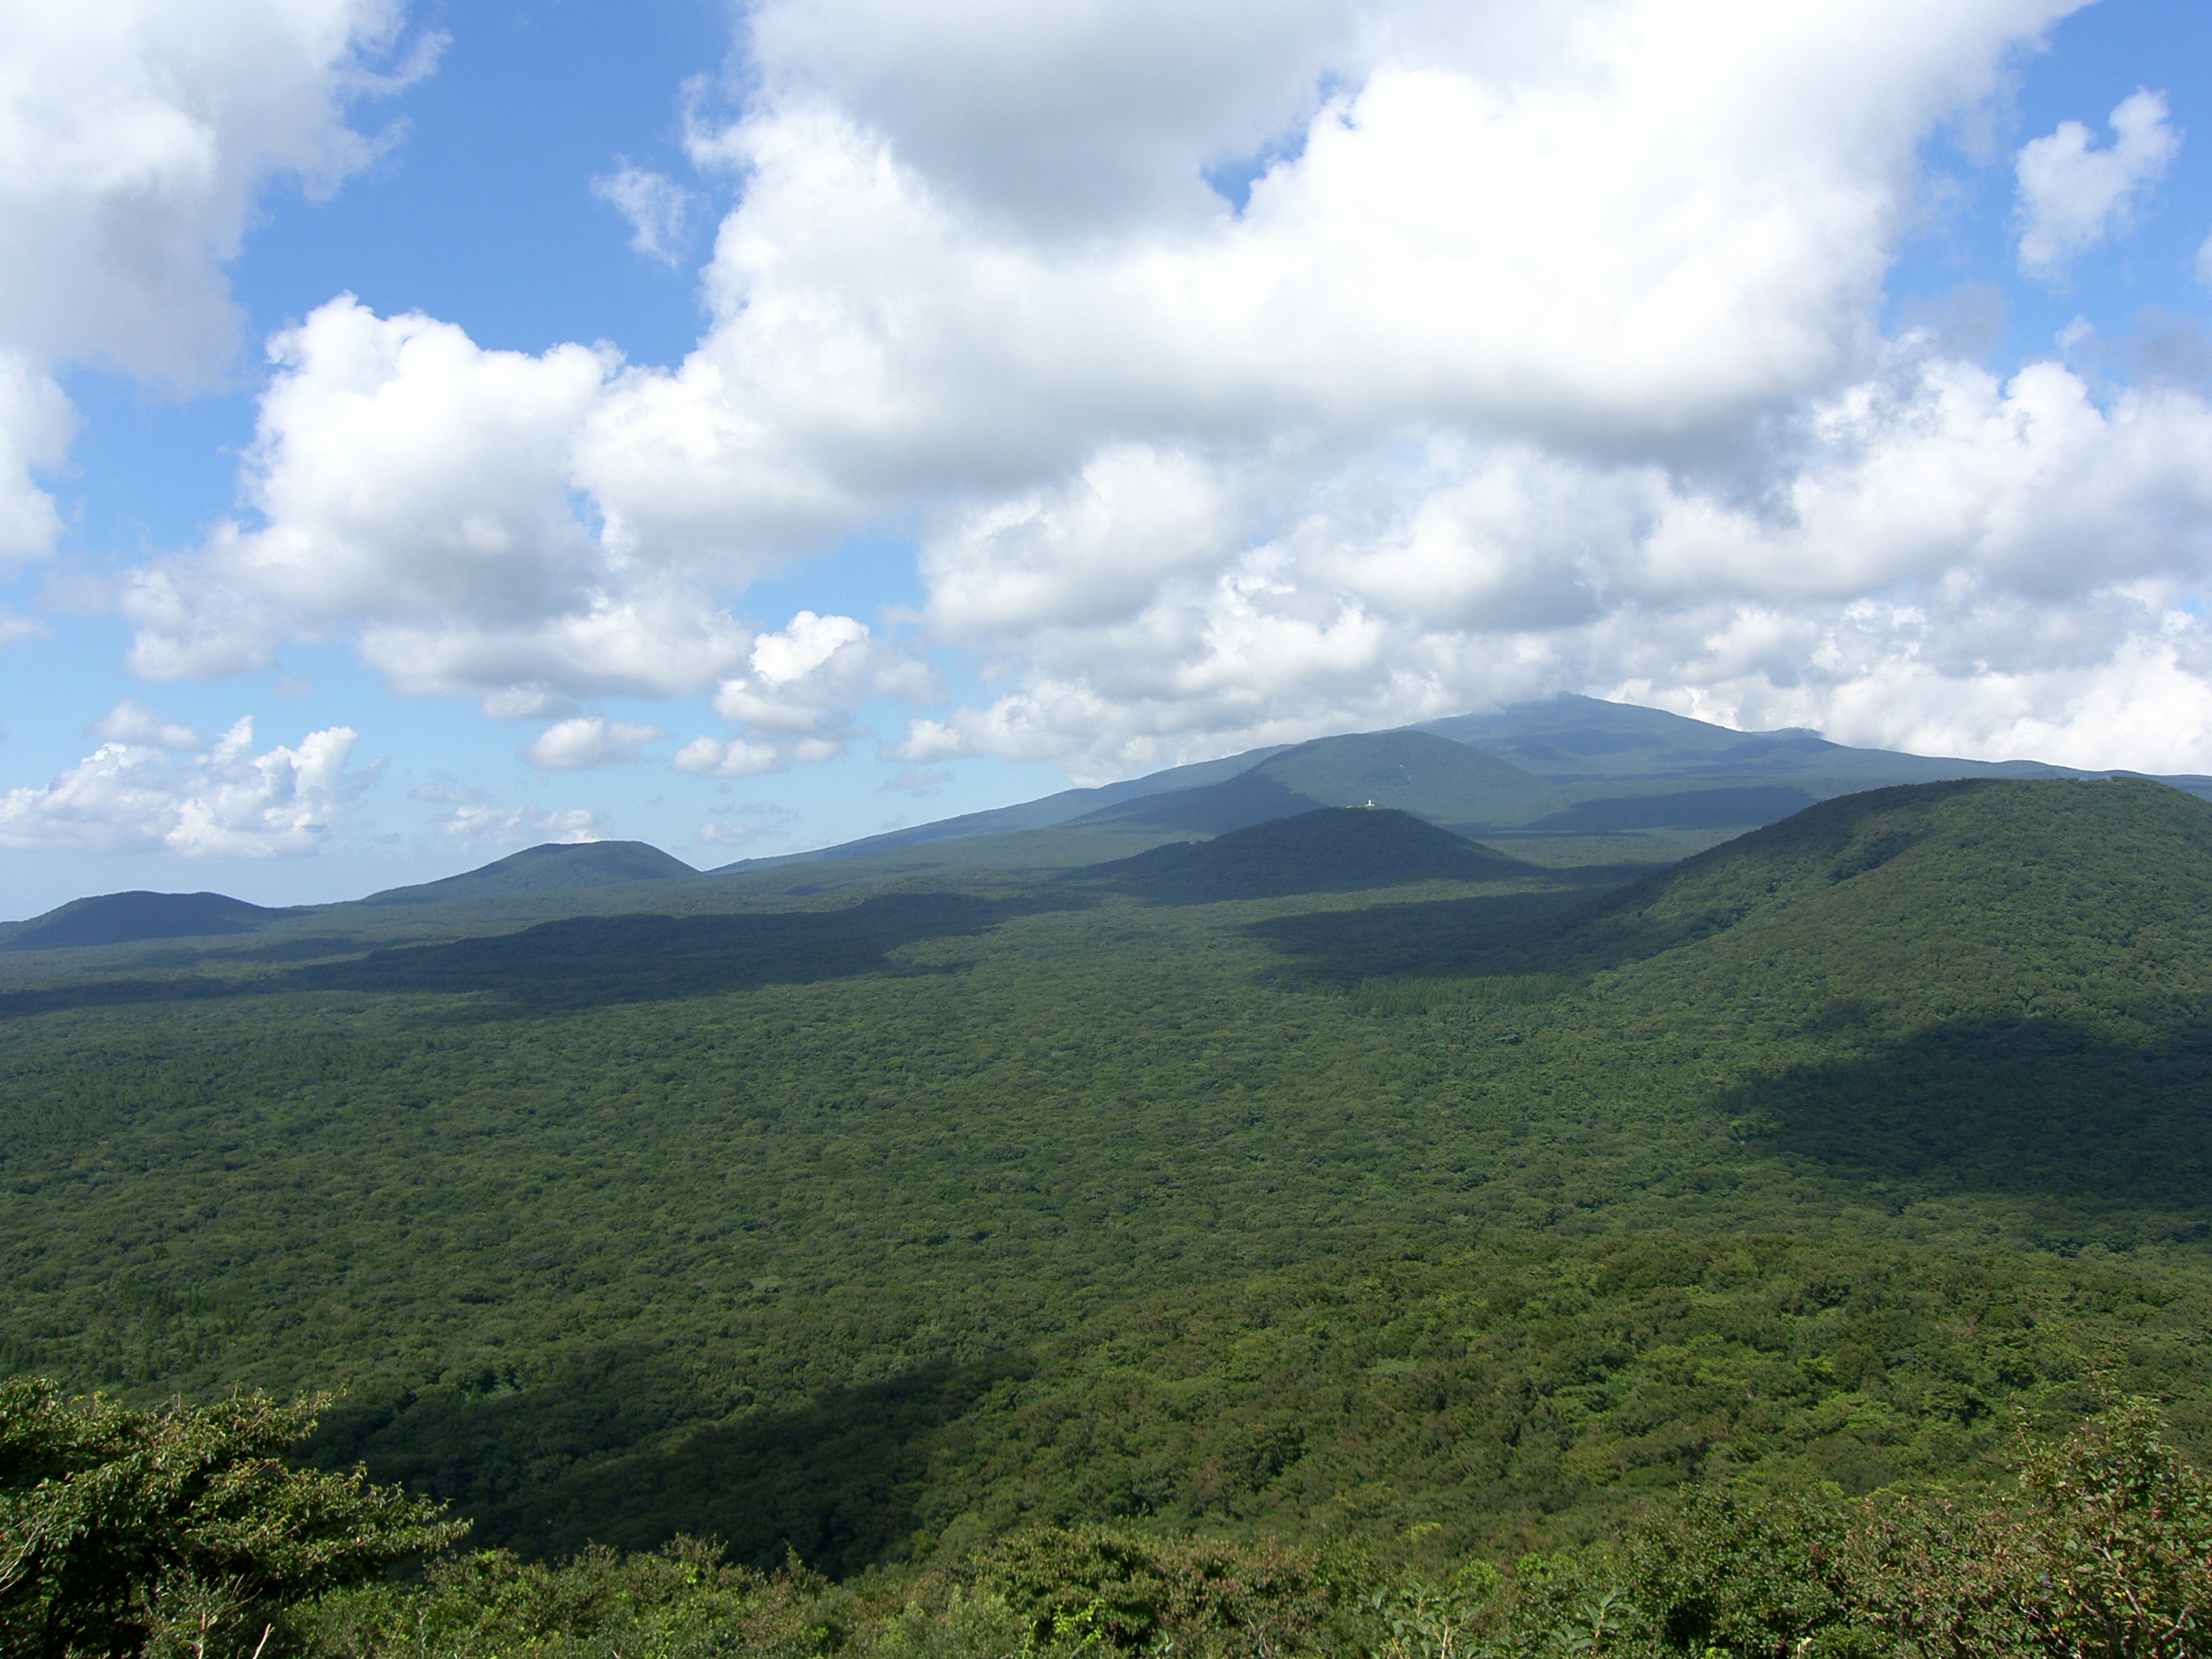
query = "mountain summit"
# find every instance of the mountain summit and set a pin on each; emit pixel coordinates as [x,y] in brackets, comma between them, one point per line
[557,866]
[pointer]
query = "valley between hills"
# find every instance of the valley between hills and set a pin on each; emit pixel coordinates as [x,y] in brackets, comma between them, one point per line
[1451,1162]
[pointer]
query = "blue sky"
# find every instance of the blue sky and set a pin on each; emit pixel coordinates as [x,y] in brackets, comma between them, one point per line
[752,428]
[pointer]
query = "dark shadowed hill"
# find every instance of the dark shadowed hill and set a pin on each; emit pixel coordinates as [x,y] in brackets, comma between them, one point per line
[1415,771]
[554,867]
[129,918]
[1920,898]
[1334,849]
[1980,987]
[1939,891]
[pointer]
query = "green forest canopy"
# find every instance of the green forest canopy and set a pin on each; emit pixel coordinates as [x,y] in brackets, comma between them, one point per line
[1461,1217]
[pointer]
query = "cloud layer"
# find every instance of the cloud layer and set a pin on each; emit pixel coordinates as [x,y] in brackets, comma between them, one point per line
[135,138]
[157,786]
[1414,357]
[2072,194]
[575,745]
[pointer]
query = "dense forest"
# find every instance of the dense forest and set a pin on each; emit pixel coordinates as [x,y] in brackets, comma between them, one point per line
[960,1238]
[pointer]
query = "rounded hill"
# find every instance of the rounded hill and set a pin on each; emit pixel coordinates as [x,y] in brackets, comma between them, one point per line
[556,866]
[1334,849]
[133,918]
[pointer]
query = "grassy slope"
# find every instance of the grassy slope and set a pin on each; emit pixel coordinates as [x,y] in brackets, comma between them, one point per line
[1124,1209]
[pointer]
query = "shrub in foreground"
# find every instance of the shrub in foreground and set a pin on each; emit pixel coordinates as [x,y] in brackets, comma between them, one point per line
[177,1531]
[182,1532]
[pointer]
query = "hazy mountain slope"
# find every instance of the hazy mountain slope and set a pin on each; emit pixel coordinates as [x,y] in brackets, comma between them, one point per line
[129,918]
[1334,849]
[1011,855]
[1573,738]
[1043,813]
[1571,767]
[1580,781]
[1431,777]
[1737,807]
[1583,740]
[552,868]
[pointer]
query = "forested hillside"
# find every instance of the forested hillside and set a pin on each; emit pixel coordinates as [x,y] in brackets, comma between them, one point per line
[1456,1218]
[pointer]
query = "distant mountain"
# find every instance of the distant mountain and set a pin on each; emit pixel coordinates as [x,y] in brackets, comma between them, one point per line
[1568,766]
[1415,771]
[1334,849]
[554,867]
[1048,811]
[132,918]
[1582,741]
[1575,739]
[1732,807]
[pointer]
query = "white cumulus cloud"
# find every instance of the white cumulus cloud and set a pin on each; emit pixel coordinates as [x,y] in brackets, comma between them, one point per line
[573,746]
[417,492]
[1543,352]
[36,425]
[141,725]
[807,678]
[718,758]
[476,825]
[2073,194]
[135,797]
[1502,570]
[655,205]
[136,137]
[1633,222]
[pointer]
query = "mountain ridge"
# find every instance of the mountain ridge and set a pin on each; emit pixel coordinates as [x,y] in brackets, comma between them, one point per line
[1547,772]
[1431,776]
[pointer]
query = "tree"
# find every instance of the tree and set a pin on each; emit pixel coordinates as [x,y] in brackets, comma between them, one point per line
[2120,1552]
[179,1531]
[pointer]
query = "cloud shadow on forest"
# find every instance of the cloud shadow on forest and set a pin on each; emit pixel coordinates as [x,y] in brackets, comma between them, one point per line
[593,961]
[587,962]
[1498,933]
[2113,1140]
[601,1454]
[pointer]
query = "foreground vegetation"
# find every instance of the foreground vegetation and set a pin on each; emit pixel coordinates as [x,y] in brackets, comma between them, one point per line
[178,1533]
[1370,1234]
